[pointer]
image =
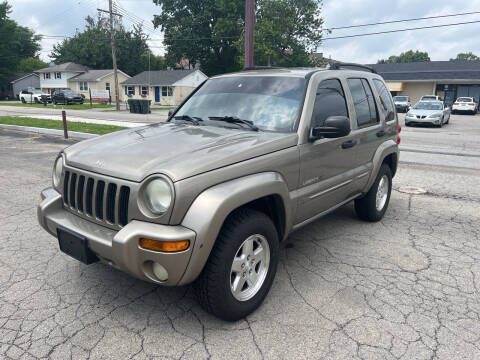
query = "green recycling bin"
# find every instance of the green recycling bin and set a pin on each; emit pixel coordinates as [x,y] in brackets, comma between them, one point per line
[144,106]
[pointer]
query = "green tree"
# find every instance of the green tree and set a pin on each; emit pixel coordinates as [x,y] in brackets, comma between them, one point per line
[92,48]
[16,43]
[30,64]
[211,32]
[466,56]
[407,56]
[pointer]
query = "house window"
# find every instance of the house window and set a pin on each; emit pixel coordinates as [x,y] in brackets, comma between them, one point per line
[130,90]
[107,86]
[46,76]
[83,85]
[167,91]
[58,75]
[144,90]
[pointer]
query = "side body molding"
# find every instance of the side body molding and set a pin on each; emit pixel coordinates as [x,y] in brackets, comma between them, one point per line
[210,209]
[385,149]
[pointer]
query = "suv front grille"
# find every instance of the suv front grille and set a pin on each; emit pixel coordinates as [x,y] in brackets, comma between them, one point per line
[102,201]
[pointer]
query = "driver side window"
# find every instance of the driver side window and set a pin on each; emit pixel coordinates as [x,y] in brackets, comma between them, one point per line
[330,101]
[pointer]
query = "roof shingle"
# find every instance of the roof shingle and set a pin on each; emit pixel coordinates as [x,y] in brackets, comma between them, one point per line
[161,77]
[69,66]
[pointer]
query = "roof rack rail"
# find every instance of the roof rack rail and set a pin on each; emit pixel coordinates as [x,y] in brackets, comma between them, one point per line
[339,65]
[260,68]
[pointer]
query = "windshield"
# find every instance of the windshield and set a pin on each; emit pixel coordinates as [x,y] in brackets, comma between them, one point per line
[400,98]
[70,93]
[429,98]
[428,106]
[464,100]
[37,91]
[270,103]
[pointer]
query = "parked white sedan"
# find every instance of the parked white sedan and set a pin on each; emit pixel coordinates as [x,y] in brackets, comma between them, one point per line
[432,112]
[31,96]
[465,104]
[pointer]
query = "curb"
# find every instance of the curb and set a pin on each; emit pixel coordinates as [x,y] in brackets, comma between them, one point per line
[71,134]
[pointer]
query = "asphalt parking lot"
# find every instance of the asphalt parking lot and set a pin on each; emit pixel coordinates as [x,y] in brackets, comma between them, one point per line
[407,287]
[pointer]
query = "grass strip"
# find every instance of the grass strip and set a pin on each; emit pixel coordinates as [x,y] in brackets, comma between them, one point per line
[66,107]
[57,125]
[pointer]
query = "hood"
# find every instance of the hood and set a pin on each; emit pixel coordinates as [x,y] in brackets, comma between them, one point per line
[176,150]
[424,112]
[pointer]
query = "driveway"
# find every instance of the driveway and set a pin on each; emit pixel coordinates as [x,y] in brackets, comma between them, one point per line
[407,287]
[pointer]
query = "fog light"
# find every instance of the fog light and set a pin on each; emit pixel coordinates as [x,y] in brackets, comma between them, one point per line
[164,246]
[160,272]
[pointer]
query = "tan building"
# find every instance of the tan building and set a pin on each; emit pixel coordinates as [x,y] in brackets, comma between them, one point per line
[447,79]
[165,87]
[96,80]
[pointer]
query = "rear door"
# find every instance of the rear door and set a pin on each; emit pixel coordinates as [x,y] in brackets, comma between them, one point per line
[370,130]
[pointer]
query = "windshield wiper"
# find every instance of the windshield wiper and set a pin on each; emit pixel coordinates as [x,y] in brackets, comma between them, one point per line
[234,120]
[193,119]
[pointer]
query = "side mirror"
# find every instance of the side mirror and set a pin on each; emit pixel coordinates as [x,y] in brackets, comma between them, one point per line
[170,112]
[334,127]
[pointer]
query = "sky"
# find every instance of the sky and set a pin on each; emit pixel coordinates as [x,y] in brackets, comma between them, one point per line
[64,17]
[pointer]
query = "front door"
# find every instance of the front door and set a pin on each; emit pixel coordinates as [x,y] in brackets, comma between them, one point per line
[157,94]
[327,165]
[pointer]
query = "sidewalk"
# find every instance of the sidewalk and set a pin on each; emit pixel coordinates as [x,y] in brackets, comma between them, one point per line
[93,115]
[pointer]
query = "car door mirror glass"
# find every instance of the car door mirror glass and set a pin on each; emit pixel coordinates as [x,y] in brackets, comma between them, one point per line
[334,127]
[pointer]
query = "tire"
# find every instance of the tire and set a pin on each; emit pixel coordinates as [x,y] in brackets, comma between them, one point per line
[366,207]
[214,286]
[36,101]
[23,100]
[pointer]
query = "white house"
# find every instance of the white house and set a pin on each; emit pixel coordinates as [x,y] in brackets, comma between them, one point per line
[164,87]
[56,77]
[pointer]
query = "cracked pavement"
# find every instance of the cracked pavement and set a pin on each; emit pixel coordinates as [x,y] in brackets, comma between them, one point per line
[407,287]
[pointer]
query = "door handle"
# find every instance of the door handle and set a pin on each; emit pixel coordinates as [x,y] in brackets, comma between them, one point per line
[349,144]
[380,133]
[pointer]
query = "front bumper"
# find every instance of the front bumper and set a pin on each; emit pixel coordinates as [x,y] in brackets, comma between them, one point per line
[120,249]
[426,120]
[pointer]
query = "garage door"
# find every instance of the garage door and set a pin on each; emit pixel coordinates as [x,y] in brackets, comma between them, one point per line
[469,91]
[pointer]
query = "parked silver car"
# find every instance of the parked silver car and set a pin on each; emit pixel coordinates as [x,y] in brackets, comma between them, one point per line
[402,103]
[209,195]
[431,112]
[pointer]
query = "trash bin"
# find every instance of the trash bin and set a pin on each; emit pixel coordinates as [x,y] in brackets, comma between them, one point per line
[133,106]
[144,106]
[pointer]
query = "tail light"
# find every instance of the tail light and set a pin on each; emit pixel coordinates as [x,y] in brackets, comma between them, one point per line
[399,129]
[398,140]
[456,103]
[471,104]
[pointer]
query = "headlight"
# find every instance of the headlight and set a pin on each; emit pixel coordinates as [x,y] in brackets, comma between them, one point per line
[158,196]
[409,114]
[435,116]
[57,171]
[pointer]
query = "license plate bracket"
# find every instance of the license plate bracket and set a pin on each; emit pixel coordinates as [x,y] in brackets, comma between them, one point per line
[76,246]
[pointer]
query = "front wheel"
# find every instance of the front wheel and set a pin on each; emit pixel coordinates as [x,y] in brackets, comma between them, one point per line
[373,205]
[24,101]
[241,266]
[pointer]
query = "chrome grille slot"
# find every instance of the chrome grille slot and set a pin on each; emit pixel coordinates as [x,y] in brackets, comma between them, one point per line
[73,184]
[89,196]
[111,192]
[81,185]
[101,201]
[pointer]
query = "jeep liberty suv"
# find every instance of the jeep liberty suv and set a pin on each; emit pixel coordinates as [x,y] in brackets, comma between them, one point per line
[208,196]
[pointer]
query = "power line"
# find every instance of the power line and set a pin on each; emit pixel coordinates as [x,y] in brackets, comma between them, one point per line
[403,20]
[400,30]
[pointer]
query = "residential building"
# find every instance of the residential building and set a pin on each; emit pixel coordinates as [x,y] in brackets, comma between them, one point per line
[96,80]
[78,78]
[448,79]
[56,77]
[164,87]
[21,82]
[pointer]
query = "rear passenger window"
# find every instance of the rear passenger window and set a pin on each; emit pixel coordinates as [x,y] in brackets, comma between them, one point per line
[364,102]
[385,99]
[330,101]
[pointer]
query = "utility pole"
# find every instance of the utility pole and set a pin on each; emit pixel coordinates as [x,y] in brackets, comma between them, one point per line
[249,27]
[114,53]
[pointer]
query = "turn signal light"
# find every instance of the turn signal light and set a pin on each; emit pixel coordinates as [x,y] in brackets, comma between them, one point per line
[399,129]
[398,140]
[164,246]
